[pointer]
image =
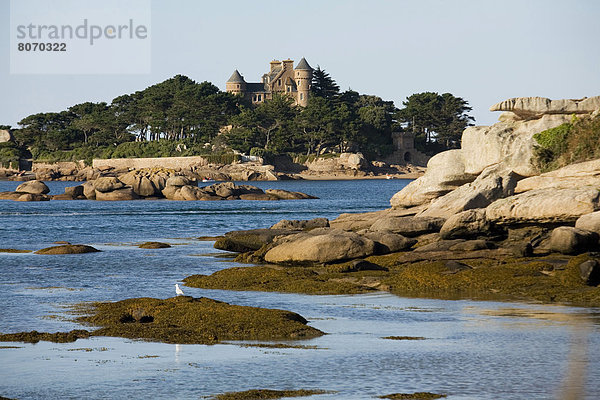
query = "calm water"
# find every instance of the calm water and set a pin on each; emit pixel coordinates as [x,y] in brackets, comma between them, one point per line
[473,350]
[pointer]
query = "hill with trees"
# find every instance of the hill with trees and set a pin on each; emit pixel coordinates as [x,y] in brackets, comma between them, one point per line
[182,117]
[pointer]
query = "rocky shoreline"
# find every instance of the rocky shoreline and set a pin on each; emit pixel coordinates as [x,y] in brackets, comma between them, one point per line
[343,166]
[482,222]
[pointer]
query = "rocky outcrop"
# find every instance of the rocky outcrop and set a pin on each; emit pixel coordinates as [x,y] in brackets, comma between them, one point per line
[572,176]
[28,191]
[494,183]
[590,222]
[535,107]
[445,172]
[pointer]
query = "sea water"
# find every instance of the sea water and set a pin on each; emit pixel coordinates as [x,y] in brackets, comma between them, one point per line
[471,350]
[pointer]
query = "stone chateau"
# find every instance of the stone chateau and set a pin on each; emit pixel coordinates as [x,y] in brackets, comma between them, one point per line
[281,78]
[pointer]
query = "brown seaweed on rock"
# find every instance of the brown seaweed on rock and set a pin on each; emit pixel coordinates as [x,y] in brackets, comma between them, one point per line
[188,320]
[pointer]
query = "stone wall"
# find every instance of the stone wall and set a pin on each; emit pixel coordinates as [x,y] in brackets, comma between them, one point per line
[139,163]
[37,166]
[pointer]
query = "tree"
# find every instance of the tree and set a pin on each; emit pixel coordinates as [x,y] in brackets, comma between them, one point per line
[323,85]
[437,120]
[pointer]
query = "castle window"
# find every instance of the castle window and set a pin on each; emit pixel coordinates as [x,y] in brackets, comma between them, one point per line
[238,86]
[279,82]
[301,96]
[260,97]
[298,82]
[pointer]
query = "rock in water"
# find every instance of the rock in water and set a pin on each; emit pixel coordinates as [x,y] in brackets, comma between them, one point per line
[33,187]
[68,249]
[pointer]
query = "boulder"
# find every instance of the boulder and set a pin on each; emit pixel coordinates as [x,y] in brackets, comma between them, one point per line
[590,222]
[353,160]
[249,240]
[74,191]
[327,245]
[359,221]
[569,240]
[408,226]
[89,191]
[154,245]
[126,193]
[33,187]
[494,183]
[535,107]
[388,242]
[107,184]
[470,223]
[178,180]
[140,184]
[445,172]
[590,272]
[224,189]
[544,206]
[302,225]
[5,136]
[257,196]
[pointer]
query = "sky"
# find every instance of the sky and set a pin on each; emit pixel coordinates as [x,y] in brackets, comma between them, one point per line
[484,51]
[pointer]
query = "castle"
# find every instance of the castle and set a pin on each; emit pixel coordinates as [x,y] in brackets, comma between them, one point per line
[281,78]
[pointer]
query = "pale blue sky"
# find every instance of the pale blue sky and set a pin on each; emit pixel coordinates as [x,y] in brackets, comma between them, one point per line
[482,50]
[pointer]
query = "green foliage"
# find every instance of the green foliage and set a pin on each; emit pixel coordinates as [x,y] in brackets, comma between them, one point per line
[437,120]
[568,143]
[323,85]
[9,154]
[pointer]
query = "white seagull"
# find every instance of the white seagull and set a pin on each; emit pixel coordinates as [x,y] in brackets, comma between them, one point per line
[178,290]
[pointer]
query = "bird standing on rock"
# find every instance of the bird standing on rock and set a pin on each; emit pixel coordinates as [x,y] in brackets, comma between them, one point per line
[178,290]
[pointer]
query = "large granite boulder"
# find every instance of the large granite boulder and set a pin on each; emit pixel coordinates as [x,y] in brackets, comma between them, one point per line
[569,240]
[288,195]
[89,191]
[445,172]
[470,223]
[33,187]
[408,226]
[494,183]
[590,222]
[320,245]
[544,206]
[107,184]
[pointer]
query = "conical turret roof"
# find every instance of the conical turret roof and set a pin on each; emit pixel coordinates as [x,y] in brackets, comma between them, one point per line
[236,77]
[303,65]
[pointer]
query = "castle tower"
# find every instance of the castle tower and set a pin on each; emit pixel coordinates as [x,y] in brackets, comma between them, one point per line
[303,78]
[236,84]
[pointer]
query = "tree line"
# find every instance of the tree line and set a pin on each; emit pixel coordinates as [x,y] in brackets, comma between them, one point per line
[205,119]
